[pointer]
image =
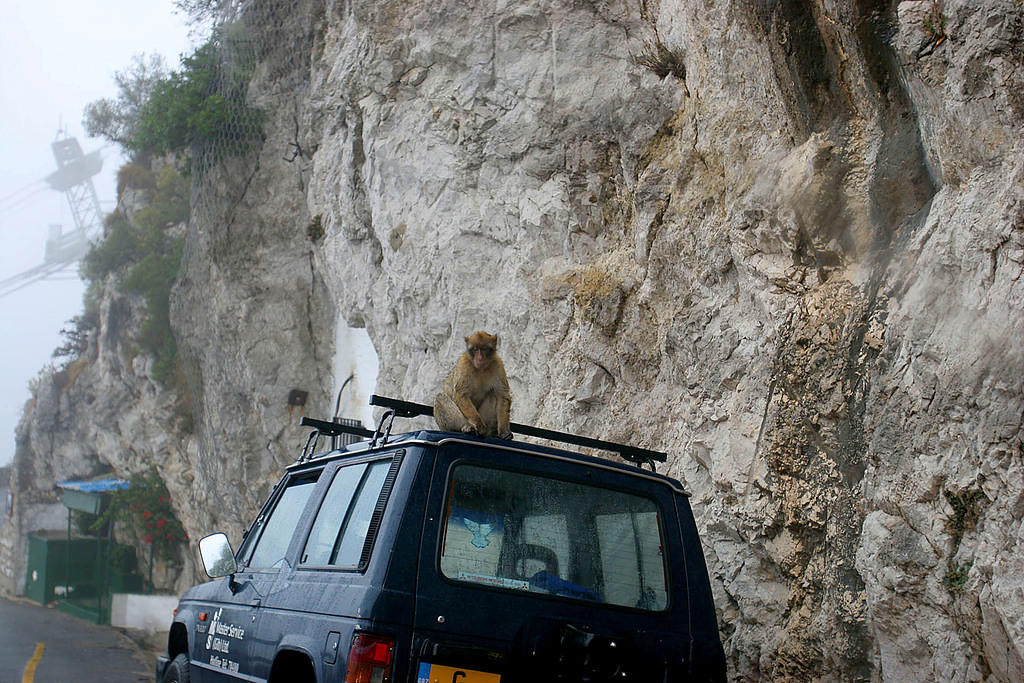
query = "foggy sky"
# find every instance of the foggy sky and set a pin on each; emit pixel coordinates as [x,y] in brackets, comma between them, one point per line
[56,56]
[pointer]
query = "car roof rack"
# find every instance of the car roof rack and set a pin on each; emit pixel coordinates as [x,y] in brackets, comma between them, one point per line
[398,408]
[634,454]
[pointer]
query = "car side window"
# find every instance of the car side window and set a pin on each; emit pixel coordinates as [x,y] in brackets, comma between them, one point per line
[343,521]
[273,532]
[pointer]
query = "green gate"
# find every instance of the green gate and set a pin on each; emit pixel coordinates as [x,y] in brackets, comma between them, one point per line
[80,572]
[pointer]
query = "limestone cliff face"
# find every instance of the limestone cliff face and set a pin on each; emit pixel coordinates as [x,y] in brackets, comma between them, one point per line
[781,241]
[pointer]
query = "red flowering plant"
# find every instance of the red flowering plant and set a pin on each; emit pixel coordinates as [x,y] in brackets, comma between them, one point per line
[144,506]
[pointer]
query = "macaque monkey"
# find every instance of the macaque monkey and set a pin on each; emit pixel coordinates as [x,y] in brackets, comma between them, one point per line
[476,397]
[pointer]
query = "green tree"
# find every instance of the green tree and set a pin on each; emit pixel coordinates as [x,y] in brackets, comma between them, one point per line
[76,333]
[202,104]
[209,11]
[116,119]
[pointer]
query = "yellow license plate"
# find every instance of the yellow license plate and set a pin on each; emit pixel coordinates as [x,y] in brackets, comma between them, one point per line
[435,673]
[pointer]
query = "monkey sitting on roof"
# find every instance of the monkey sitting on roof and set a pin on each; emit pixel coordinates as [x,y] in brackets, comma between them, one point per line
[476,397]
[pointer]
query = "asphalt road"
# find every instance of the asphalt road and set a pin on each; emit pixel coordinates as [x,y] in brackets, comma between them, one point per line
[64,649]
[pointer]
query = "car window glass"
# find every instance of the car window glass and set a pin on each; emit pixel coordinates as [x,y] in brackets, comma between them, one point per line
[631,559]
[357,522]
[339,531]
[275,532]
[324,535]
[533,533]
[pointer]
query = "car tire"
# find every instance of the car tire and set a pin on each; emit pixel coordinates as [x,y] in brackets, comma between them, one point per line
[178,671]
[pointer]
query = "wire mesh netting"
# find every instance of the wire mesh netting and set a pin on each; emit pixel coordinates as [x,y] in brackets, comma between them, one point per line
[254,65]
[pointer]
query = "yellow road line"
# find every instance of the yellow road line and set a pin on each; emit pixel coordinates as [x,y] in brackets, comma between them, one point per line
[30,668]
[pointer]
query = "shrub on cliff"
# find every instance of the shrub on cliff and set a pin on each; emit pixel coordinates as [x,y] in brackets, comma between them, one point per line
[198,107]
[136,176]
[147,250]
[117,119]
[202,106]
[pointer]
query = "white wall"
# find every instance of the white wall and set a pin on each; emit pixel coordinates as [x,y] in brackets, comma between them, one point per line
[354,355]
[145,612]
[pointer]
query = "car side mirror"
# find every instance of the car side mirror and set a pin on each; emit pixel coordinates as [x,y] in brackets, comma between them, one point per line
[218,557]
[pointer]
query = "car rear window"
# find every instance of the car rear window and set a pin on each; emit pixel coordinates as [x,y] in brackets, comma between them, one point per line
[532,533]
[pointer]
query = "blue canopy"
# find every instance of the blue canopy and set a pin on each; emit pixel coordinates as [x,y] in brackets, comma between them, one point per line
[94,486]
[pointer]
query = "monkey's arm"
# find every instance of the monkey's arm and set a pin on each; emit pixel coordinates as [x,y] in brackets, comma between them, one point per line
[463,385]
[465,404]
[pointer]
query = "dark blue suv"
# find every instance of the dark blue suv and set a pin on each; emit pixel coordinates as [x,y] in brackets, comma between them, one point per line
[434,557]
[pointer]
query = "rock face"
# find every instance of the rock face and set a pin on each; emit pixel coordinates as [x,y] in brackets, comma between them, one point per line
[781,241]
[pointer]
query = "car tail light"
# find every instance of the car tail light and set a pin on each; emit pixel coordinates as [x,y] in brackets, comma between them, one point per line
[369,659]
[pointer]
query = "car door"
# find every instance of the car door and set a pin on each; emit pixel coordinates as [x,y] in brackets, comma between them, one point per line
[228,651]
[316,607]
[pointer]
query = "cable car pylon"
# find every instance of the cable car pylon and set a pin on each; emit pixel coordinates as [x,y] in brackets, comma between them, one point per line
[73,177]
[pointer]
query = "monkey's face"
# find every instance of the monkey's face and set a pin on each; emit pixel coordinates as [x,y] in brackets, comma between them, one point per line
[481,348]
[481,355]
